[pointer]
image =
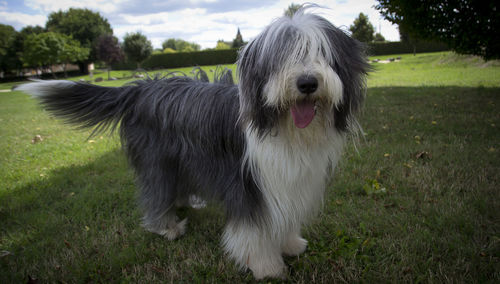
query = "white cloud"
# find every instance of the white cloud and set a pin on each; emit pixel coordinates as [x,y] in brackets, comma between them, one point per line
[201,21]
[3,5]
[47,6]
[20,20]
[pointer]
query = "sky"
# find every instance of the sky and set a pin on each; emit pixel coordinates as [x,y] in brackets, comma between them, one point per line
[200,21]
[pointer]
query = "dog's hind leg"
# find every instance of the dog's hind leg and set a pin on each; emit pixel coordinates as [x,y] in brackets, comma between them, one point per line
[158,198]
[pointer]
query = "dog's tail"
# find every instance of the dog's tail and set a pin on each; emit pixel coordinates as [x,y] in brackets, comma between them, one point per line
[84,104]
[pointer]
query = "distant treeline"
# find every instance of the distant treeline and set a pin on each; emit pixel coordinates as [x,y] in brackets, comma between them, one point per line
[229,56]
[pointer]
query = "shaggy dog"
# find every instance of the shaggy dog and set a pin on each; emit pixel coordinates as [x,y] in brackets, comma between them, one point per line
[263,148]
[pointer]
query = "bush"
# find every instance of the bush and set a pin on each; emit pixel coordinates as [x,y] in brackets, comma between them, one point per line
[185,59]
[397,47]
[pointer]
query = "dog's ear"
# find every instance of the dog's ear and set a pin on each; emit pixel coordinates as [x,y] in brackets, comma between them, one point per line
[351,66]
[253,76]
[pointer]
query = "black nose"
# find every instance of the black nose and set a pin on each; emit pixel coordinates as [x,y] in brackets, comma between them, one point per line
[307,84]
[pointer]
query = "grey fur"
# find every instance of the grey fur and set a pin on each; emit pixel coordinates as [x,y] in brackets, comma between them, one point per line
[186,136]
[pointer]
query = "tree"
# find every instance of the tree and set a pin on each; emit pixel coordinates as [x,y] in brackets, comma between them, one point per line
[180,45]
[238,40]
[137,47]
[84,26]
[378,37]
[467,26]
[109,51]
[292,9]
[222,45]
[48,49]
[362,29]
[7,38]
[72,52]
[406,38]
[169,50]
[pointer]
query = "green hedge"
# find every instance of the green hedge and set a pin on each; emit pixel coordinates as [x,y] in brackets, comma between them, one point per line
[397,47]
[229,56]
[185,59]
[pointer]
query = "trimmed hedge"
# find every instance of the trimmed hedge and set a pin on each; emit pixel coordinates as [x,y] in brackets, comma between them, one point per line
[397,47]
[229,56]
[185,59]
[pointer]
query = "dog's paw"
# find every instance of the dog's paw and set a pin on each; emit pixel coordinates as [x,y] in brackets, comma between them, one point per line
[176,231]
[295,246]
[269,270]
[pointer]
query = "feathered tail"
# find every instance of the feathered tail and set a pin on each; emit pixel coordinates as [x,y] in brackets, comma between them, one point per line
[84,104]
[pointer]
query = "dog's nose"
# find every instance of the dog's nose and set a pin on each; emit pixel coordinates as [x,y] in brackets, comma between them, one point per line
[307,84]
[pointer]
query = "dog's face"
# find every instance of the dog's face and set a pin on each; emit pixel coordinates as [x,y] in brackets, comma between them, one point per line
[301,70]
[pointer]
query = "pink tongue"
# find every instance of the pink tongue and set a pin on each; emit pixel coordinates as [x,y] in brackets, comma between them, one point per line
[302,113]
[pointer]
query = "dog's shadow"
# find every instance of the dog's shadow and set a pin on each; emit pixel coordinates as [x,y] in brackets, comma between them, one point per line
[91,210]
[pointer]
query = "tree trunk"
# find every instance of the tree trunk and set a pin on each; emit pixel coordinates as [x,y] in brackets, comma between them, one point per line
[84,67]
[52,71]
[64,69]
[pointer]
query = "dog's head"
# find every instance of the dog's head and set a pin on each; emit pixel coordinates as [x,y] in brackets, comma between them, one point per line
[301,69]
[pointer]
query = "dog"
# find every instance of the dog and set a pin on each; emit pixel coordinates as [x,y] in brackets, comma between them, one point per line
[264,148]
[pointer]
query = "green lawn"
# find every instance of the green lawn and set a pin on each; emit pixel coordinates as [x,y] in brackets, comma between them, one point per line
[415,199]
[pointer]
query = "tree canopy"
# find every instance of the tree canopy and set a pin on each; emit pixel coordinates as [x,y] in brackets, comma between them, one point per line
[137,47]
[467,26]
[292,8]
[50,48]
[7,38]
[180,45]
[109,50]
[222,45]
[83,25]
[362,29]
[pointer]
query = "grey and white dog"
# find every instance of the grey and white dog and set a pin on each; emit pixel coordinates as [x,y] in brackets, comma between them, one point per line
[264,148]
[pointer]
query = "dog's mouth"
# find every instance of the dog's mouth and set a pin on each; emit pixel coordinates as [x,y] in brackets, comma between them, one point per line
[303,113]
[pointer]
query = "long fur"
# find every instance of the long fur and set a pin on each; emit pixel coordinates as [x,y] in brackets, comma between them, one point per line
[237,144]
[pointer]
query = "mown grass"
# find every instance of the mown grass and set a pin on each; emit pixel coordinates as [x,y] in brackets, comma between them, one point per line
[416,200]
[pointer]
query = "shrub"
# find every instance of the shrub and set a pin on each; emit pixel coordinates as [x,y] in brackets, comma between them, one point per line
[397,47]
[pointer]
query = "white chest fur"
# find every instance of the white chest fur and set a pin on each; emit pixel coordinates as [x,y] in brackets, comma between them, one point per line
[291,169]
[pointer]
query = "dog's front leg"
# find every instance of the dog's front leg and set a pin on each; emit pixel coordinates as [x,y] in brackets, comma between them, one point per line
[252,247]
[294,244]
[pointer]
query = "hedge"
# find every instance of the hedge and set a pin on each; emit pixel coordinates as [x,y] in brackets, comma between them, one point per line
[229,56]
[185,59]
[397,47]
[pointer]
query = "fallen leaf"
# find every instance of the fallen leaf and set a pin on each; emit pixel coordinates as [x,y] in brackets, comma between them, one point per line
[423,155]
[68,245]
[36,139]
[87,228]
[434,122]
[387,155]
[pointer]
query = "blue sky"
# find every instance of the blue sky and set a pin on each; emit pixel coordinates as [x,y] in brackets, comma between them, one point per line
[200,21]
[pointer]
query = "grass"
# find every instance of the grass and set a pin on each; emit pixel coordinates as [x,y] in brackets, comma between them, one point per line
[416,201]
